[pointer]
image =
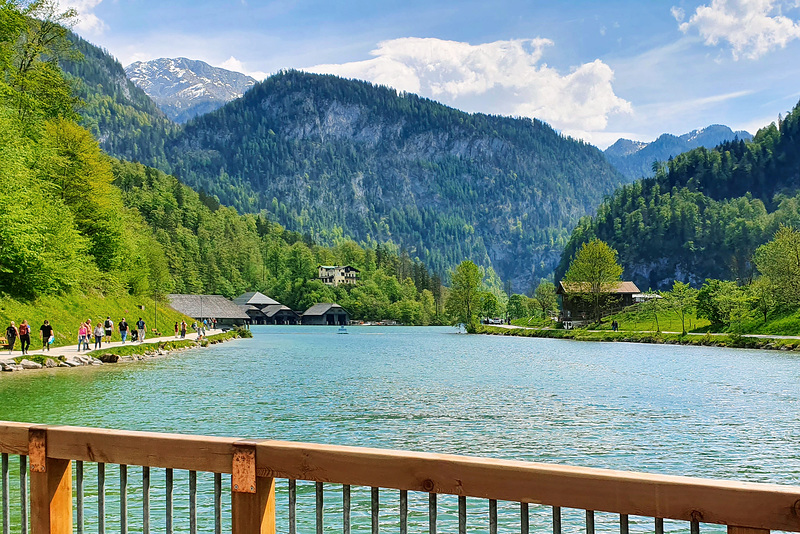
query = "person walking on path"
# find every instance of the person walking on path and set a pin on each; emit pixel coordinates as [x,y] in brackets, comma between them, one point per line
[98,337]
[108,326]
[25,336]
[11,336]
[47,332]
[176,328]
[183,329]
[140,329]
[123,329]
[83,332]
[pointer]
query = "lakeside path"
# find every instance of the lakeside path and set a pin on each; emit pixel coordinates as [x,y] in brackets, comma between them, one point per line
[72,350]
[755,336]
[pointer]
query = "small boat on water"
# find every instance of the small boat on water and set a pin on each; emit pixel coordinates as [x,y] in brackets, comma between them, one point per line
[342,330]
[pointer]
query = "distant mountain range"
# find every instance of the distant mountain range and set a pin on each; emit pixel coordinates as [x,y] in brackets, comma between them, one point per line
[185,88]
[634,159]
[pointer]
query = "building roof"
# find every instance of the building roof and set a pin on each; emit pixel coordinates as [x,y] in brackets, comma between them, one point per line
[270,311]
[255,298]
[198,306]
[332,267]
[322,309]
[619,288]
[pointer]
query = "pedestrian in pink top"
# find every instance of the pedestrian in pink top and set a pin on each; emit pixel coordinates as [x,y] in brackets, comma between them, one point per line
[83,331]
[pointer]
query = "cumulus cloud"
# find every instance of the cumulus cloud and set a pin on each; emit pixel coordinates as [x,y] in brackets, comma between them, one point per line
[87,20]
[502,77]
[751,27]
[237,66]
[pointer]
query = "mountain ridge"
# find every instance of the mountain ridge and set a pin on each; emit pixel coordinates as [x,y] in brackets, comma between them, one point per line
[635,159]
[185,88]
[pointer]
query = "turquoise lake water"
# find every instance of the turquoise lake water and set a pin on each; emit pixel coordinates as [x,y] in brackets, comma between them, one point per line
[710,412]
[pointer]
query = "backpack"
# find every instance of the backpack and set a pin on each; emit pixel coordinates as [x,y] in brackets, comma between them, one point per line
[109,324]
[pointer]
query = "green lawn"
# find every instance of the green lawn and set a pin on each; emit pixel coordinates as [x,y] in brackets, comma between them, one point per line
[668,321]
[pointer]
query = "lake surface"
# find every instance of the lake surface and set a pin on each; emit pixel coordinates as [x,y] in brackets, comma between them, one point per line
[710,412]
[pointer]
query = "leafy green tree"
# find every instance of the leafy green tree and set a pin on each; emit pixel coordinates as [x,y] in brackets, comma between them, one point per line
[463,299]
[517,307]
[723,303]
[489,306]
[683,299]
[593,274]
[652,308]
[779,262]
[762,296]
[546,297]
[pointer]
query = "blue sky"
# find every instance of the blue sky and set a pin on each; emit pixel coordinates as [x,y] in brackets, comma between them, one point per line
[594,70]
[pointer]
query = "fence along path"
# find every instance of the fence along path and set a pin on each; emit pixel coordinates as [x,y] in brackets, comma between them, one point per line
[47,455]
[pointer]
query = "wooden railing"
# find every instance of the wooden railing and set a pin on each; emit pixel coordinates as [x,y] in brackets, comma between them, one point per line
[254,465]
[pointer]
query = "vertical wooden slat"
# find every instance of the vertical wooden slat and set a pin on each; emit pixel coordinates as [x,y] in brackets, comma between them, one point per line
[79,496]
[556,520]
[346,509]
[403,511]
[6,497]
[145,500]
[659,525]
[23,494]
[217,503]
[432,513]
[292,506]
[101,498]
[695,527]
[623,524]
[492,516]
[170,483]
[123,499]
[589,521]
[51,498]
[320,505]
[376,507]
[524,518]
[192,502]
[462,514]
[254,513]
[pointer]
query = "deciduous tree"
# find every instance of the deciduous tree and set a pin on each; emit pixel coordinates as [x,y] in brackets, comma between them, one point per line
[593,274]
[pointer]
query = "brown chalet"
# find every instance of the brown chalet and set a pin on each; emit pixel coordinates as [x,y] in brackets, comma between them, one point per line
[573,306]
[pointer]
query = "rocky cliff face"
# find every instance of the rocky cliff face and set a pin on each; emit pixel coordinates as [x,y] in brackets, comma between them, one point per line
[185,88]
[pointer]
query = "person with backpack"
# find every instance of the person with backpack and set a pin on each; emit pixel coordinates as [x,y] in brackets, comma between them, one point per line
[123,329]
[108,325]
[25,336]
[183,329]
[47,333]
[140,329]
[11,336]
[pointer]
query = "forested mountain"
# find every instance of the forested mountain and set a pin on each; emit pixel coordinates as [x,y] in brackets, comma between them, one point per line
[634,159]
[185,88]
[704,212]
[76,222]
[126,122]
[328,156]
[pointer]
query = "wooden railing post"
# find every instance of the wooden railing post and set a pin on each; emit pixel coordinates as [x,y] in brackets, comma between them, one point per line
[51,487]
[252,497]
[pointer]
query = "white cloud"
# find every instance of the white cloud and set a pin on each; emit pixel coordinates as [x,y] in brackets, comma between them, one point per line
[502,77]
[87,20]
[237,66]
[751,27]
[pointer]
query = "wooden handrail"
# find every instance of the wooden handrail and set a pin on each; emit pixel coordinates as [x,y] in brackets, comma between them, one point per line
[740,504]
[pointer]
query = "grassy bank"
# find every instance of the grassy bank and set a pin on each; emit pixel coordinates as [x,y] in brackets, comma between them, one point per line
[139,349]
[66,312]
[727,340]
[136,349]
